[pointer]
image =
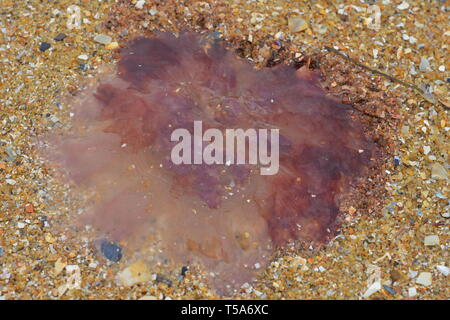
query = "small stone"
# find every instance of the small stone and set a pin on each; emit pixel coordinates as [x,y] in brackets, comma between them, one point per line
[83,57]
[60,37]
[1,252]
[136,273]
[424,279]
[20,225]
[11,182]
[402,6]
[111,46]
[438,171]
[59,266]
[152,12]
[412,274]
[442,269]
[103,39]
[148,298]
[442,68]
[412,40]
[424,65]
[111,251]
[431,240]
[29,208]
[396,275]
[390,290]
[412,292]
[84,66]
[139,4]
[297,24]
[184,270]
[44,46]
[375,287]
[49,238]
[162,279]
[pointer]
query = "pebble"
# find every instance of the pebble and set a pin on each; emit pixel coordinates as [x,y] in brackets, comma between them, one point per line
[84,66]
[136,273]
[103,39]
[390,290]
[402,6]
[111,46]
[111,251]
[442,269]
[11,182]
[412,292]
[184,269]
[432,240]
[442,68]
[83,57]
[438,171]
[140,4]
[1,251]
[424,65]
[60,37]
[412,274]
[44,46]
[297,24]
[376,286]
[424,279]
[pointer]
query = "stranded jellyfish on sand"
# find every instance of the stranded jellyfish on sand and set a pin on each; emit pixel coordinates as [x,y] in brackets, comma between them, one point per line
[227,218]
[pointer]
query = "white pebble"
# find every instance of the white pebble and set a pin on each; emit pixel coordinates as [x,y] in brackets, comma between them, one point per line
[402,6]
[103,39]
[376,286]
[375,53]
[444,270]
[432,240]
[11,182]
[424,279]
[140,4]
[442,68]
[424,65]
[412,292]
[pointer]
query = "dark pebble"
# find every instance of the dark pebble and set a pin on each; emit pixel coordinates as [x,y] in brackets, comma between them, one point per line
[184,269]
[396,161]
[448,80]
[84,66]
[162,279]
[1,251]
[60,37]
[44,46]
[390,290]
[111,251]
